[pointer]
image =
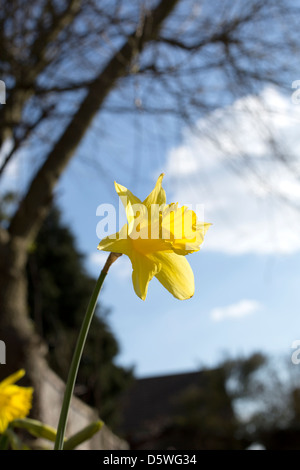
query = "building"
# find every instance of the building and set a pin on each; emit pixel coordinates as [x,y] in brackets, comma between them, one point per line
[180,411]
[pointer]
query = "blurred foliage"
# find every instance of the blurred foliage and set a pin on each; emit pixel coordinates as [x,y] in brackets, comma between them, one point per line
[59,290]
[265,396]
[205,418]
[11,439]
[244,401]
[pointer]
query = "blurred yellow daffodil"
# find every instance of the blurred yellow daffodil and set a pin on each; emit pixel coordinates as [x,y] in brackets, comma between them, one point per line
[156,238]
[15,401]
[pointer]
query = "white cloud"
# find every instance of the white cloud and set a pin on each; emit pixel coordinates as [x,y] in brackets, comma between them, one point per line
[246,215]
[235,311]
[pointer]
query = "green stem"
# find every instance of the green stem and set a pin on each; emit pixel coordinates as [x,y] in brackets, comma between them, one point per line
[59,442]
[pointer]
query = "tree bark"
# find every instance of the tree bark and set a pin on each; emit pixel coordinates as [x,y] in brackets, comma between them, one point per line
[24,348]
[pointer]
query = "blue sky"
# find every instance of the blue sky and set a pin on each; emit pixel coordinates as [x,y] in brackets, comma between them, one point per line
[247,272]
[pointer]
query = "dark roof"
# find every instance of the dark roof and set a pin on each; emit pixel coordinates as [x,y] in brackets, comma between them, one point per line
[152,401]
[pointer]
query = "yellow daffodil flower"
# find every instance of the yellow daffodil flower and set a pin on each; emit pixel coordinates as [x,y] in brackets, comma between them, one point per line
[156,239]
[15,401]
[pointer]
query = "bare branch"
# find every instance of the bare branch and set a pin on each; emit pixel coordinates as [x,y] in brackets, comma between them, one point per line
[27,74]
[33,207]
[19,141]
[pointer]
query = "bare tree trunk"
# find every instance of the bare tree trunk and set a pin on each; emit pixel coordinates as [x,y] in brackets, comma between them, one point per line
[24,348]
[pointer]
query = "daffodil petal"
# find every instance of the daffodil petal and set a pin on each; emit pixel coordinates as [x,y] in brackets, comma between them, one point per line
[15,401]
[117,243]
[157,195]
[13,378]
[175,275]
[144,269]
[124,192]
[128,200]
